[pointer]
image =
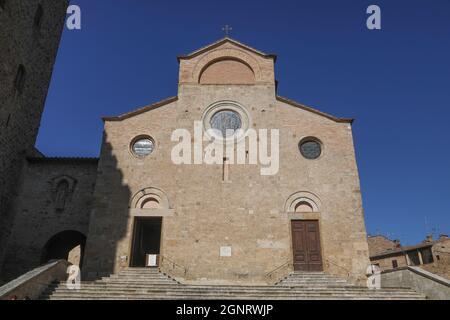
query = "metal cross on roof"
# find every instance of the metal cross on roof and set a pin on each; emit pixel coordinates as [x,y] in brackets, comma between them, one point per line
[227,30]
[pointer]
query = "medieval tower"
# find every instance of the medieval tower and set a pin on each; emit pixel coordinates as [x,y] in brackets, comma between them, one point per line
[30,32]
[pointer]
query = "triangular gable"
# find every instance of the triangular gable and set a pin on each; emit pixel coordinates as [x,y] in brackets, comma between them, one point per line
[221,42]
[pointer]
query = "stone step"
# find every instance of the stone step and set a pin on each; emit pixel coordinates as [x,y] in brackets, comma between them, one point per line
[127,278]
[102,285]
[211,290]
[145,284]
[120,294]
[207,293]
[213,296]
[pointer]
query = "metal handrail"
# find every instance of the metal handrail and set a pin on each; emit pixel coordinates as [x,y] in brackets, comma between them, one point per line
[173,263]
[337,265]
[286,264]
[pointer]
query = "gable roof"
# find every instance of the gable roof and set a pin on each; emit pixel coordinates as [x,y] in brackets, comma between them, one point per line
[320,113]
[141,110]
[222,41]
[402,250]
[173,99]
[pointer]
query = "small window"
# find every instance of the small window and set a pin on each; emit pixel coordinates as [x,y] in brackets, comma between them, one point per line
[143,147]
[20,79]
[38,16]
[438,258]
[310,148]
[394,264]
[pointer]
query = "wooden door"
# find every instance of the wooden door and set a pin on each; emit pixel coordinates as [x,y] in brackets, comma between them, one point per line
[306,245]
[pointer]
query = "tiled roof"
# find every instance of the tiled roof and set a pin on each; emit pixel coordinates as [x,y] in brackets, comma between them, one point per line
[403,249]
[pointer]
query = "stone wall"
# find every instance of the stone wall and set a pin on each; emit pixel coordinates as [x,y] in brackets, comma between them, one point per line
[32,284]
[441,257]
[431,285]
[248,211]
[39,217]
[32,43]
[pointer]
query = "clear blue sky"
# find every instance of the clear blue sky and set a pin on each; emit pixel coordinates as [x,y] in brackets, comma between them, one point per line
[394,82]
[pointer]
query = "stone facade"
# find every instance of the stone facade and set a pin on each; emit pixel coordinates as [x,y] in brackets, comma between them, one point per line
[30,32]
[220,223]
[249,214]
[42,212]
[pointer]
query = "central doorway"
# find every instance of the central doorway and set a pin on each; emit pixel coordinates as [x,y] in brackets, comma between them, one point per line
[146,239]
[306,245]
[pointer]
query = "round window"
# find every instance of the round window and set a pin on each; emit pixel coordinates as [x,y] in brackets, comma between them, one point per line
[310,149]
[143,147]
[227,122]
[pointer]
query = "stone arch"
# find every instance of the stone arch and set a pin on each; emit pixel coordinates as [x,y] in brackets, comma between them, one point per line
[227,54]
[67,245]
[302,201]
[227,70]
[150,198]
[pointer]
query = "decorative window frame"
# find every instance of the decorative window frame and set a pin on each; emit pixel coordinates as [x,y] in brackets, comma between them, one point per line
[302,196]
[136,139]
[72,182]
[226,105]
[311,138]
[140,197]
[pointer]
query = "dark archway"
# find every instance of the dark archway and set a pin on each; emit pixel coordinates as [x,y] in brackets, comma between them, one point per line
[62,244]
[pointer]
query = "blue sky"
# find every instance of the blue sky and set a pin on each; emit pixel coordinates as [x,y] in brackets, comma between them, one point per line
[395,82]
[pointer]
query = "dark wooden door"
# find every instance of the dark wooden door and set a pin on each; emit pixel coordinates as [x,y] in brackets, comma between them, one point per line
[306,245]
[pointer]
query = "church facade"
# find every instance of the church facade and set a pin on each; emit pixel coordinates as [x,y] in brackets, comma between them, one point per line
[220,222]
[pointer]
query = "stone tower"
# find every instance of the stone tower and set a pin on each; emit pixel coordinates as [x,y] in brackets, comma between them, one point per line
[30,32]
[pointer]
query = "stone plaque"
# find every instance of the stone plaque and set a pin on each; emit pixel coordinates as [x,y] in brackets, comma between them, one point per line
[225,251]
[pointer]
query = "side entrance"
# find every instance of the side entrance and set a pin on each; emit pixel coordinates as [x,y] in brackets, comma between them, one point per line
[306,245]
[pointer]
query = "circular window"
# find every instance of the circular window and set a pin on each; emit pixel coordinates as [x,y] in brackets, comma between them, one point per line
[143,147]
[227,122]
[226,116]
[310,148]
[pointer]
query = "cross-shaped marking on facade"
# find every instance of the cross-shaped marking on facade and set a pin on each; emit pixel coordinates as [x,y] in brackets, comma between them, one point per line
[227,30]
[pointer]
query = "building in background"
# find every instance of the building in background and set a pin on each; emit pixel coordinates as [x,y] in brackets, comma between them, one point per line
[30,32]
[431,255]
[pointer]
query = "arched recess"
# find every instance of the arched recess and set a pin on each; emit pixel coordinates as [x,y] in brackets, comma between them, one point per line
[227,54]
[150,198]
[68,245]
[62,188]
[302,202]
[227,70]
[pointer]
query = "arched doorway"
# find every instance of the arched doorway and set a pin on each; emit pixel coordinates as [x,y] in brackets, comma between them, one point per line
[68,245]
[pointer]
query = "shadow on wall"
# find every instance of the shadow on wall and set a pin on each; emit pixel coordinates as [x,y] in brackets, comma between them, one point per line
[109,220]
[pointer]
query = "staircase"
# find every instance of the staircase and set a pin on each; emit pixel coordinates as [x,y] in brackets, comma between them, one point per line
[315,279]
[150,284]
